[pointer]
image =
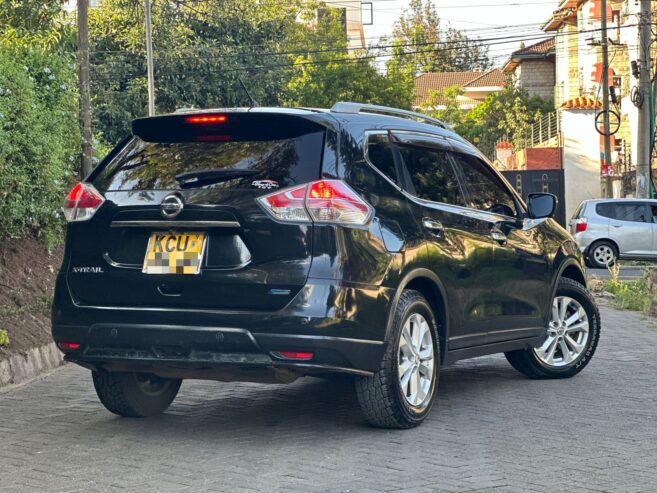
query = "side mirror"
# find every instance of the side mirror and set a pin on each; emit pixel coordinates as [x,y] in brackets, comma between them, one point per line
[541,205]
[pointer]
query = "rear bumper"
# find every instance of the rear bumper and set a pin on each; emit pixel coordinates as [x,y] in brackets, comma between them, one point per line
[342,326]
[215,352]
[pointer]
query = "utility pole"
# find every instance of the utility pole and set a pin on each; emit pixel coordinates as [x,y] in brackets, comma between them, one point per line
[644,151]
[608,183]
[83,86]
[149,59]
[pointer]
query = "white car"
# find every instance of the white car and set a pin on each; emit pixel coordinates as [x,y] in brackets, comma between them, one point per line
[611,229]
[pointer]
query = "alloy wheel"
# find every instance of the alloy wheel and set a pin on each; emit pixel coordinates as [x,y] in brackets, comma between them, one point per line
[416,360]
[567,334]
[604,255]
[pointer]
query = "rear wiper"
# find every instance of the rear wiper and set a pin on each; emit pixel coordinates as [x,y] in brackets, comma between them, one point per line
[207,177]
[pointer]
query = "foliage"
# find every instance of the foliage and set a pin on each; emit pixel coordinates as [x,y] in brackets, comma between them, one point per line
[4,338]
[321,77]
[202,49]
[506,114]
[31,23]
[422,44]
[630,295]
[39,139]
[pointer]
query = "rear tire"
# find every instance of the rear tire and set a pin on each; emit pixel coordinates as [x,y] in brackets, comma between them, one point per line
[135,395]
[581,330]
[401,392]
[603,254]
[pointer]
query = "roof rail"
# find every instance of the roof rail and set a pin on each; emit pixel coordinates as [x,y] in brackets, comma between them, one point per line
[355,108]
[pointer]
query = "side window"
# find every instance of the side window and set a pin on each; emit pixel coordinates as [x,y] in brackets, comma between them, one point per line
[379,154]
[605,210]
[432,175]
[635,213]
[486,191]
[653,208]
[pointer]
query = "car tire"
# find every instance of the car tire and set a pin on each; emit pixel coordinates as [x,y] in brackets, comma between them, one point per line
[601,250]
[135,395]
[578,326]
[411,361]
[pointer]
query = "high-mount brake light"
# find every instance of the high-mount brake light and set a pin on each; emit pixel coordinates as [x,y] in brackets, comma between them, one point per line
[82,202]
[207,119]
[323,201]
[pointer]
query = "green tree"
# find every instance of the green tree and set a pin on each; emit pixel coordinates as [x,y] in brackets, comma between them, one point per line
[39,135]
[507,114]
[422,44]
[322,76]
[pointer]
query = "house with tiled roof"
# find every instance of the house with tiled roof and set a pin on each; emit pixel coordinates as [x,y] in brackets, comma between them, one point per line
[533,68]
[476,87]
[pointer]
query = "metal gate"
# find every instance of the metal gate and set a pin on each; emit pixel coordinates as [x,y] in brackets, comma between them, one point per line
[541,180]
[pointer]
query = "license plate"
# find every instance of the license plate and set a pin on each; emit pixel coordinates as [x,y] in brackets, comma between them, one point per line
[174,253]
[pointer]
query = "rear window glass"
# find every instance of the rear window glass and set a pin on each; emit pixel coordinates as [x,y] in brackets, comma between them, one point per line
[142,165]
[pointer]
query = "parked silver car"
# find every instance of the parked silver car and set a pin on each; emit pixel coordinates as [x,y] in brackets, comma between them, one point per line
[609,229]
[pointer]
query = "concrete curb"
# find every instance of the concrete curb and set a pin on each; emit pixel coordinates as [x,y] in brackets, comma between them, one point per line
[23,367]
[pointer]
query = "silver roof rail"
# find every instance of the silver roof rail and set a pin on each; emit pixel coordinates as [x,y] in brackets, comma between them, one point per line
[355,108]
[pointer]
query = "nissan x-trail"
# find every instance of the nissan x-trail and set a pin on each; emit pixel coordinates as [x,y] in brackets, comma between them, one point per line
[265,244]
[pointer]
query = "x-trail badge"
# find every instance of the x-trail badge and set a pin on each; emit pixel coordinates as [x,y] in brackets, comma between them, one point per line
[171,206]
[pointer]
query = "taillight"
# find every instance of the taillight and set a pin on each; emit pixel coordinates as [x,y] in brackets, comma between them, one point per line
[580,225]
[82,202]
[324,201]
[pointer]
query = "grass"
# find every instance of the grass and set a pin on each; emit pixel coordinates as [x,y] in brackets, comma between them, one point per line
[4,338]
[630,295]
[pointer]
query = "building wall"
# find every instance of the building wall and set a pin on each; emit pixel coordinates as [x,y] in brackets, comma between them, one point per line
[581,158]
[537,77]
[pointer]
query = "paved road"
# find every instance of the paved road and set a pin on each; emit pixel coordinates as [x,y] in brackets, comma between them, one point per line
[627,273]
[491,430]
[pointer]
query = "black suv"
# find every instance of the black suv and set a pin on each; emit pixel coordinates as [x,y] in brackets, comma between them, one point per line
[264,244]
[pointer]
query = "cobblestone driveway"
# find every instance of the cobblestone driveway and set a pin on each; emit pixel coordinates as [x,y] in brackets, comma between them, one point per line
[491,429]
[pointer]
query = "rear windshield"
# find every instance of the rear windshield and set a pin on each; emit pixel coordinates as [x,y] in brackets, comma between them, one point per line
[143,165]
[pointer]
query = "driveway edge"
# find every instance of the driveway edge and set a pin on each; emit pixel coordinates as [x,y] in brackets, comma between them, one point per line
[20,368]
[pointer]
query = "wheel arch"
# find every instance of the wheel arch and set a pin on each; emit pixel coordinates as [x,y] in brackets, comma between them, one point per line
[570,268]
[431,287]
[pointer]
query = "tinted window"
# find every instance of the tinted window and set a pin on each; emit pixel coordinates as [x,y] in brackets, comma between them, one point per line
[432,175]
[485,189]
[379,154]
[622,212]
[654,213]
[142,165]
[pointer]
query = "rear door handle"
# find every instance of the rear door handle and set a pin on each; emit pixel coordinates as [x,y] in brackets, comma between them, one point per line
[497,234]
[436,227]
[617,225]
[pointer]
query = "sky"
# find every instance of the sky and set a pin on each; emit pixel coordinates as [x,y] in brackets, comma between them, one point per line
[514,20]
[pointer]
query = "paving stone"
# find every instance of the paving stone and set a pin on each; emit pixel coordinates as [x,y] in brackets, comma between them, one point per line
[491,430]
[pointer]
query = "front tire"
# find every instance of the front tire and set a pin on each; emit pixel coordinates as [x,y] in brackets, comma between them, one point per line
[135,395]
[401,392]
[572,336]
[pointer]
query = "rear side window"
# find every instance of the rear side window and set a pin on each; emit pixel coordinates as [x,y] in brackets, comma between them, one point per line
[486,191]
[622,212]
[432,175]
[379,154]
